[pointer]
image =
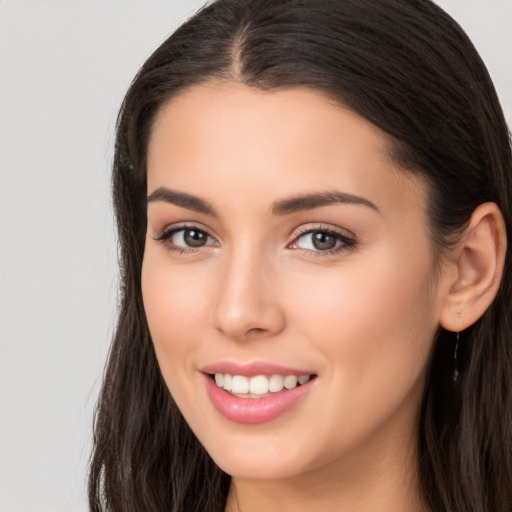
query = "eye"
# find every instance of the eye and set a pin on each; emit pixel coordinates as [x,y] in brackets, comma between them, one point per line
[184,238]
[322,240]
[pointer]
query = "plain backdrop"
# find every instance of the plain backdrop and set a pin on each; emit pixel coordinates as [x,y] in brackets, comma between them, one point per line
[64,67]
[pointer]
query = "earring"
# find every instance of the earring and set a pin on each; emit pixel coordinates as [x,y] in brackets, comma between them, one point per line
[455,370]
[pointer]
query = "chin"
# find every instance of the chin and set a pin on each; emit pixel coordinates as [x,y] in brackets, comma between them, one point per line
[244,468]
[258,457]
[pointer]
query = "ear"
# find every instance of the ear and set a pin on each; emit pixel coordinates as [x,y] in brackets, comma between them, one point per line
[477,265]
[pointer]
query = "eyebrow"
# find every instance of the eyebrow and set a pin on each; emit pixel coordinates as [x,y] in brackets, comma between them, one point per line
[283,207]
[311,201]
[182,199]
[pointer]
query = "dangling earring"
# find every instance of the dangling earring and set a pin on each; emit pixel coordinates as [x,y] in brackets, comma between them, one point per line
[455,370]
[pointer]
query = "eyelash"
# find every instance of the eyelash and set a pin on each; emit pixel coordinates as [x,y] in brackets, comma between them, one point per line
[346,243]
[167,234]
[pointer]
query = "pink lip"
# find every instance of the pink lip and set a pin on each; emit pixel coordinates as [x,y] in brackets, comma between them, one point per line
[255,410]
[252,369]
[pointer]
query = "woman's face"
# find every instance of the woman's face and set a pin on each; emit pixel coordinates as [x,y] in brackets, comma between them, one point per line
[282,241]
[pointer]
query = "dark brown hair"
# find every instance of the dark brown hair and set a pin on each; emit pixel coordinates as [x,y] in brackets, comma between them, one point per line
[408,68]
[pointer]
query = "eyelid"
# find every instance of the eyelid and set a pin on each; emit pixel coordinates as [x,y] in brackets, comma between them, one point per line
[343,235]
[170,230]
[346,237]
[311,227]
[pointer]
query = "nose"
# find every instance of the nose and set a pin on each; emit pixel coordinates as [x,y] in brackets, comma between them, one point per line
[248,304]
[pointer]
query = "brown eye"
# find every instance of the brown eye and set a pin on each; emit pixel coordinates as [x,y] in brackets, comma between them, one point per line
[186,238]
[318,240]
[194,237]
[323,241]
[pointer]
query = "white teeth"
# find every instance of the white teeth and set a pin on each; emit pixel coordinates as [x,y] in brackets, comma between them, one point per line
[227,381]
[240,384]
[304,378]
[275,383]
[290,381]
[258,385]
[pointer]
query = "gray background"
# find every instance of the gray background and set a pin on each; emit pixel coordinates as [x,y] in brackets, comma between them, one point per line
[64,67]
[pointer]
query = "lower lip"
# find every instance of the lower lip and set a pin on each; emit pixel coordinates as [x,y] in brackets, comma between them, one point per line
[254,410]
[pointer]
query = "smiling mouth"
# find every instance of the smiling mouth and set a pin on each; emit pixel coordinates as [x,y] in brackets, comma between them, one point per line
[259,386]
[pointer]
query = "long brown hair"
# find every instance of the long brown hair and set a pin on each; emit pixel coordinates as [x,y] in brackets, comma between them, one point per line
[405,66]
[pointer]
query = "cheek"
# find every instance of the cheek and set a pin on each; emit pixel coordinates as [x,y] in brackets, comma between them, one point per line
[175,302]
[375,315]
[374,324]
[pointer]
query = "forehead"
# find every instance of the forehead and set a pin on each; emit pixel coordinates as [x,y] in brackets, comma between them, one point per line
[280,142]
[238,111]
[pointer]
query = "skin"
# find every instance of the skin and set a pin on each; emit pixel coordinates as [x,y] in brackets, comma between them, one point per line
[363,319]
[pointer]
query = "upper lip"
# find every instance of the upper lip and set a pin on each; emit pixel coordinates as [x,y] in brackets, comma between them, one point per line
[251,369]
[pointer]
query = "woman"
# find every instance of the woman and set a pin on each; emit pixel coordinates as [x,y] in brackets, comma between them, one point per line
[312,204]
